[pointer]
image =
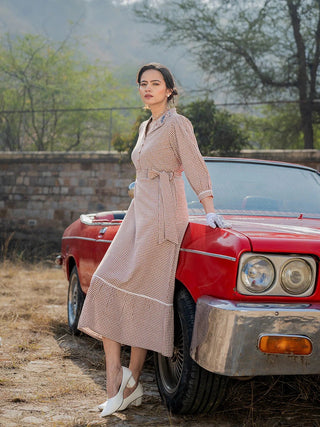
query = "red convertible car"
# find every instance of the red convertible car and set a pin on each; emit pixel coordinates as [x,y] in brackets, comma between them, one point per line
[247,299]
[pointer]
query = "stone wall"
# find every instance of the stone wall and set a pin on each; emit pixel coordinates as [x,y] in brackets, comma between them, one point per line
[42,193]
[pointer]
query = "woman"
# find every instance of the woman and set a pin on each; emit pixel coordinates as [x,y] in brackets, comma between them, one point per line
[130,299]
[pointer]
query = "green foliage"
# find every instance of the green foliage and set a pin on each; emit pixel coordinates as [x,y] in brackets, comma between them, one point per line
[119,143]
[276,126]
[53,99]
[126,143]
[215,130]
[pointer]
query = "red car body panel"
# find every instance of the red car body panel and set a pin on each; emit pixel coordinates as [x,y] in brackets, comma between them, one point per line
[85,247]
[199,273]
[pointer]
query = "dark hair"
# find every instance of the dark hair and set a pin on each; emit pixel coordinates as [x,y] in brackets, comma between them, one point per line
[167,76]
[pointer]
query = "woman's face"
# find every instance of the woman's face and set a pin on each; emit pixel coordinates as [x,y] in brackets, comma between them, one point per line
[153,89]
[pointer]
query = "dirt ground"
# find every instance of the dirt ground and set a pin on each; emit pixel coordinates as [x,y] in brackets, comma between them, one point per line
[50,378]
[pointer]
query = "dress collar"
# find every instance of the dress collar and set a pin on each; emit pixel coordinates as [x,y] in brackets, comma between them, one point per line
[160,120]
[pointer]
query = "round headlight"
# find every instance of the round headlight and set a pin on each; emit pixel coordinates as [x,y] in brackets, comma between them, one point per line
[257,274]
[296,276]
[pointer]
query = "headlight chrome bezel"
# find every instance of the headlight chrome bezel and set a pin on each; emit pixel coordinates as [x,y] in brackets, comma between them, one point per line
[279,263]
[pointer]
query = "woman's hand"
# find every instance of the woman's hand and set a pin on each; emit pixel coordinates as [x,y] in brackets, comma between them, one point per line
[214,220]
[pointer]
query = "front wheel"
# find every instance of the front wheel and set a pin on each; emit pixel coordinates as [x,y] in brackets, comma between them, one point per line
[75,301]
[184,386]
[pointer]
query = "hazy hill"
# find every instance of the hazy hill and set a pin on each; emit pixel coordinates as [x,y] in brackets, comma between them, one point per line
[108,31]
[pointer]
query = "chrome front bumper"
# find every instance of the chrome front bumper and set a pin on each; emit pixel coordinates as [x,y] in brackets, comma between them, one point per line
[226,334]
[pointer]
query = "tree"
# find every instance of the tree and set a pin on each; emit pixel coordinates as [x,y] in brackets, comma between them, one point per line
[268,49]
[275,127]
[215,130]
[51,98]
[126,142]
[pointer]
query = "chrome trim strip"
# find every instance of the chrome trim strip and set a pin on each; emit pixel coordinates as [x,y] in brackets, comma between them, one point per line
[194,251]
[102,223]
[86,238]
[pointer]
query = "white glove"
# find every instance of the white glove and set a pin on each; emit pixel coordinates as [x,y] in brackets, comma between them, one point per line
[214,220]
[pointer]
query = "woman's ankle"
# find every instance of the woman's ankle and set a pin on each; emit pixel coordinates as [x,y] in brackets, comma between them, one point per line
[114,379]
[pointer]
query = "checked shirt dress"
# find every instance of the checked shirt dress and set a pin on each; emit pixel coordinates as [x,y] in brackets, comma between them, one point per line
[130,298]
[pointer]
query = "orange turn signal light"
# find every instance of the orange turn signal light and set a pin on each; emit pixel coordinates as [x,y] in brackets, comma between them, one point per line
[285,344]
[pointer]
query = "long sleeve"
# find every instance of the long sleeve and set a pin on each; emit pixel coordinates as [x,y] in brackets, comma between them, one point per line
[185,146]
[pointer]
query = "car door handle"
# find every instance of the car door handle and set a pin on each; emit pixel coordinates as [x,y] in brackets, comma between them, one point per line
[102,231]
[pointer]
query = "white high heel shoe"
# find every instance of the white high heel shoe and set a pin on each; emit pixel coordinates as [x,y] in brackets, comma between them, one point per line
[114,403]
[134,399]
[130,384]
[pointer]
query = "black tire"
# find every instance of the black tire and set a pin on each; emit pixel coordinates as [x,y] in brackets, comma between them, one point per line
[184,386]
[75,301]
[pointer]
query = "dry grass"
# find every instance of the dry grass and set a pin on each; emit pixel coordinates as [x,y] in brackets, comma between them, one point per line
[35,368]
[47,373]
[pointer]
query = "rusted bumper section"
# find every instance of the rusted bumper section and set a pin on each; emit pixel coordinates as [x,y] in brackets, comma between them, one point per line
[229,338]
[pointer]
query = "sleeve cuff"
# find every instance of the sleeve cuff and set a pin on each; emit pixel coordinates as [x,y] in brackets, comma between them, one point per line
[203,194]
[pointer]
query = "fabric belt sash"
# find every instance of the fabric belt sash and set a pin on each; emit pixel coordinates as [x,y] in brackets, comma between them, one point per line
[167,211]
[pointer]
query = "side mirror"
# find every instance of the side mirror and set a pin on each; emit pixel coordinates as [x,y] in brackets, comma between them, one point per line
[131,189]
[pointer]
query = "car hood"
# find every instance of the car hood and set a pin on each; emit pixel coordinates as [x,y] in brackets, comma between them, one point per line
[278,234]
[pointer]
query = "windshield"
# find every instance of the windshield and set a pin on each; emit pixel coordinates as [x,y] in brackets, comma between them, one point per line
[260,189]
